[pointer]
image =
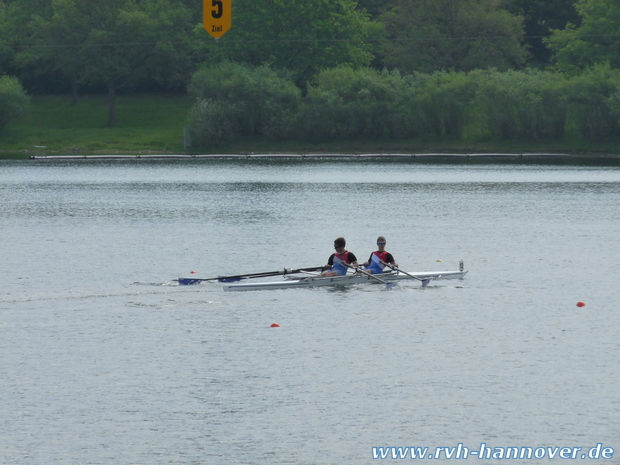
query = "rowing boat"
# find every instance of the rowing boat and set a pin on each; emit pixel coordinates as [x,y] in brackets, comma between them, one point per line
[317,281]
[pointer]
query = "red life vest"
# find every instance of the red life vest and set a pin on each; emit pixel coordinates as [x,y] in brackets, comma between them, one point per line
[344,256]
[381,255]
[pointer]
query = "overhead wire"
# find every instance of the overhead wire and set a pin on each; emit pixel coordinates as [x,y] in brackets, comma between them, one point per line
[209,40]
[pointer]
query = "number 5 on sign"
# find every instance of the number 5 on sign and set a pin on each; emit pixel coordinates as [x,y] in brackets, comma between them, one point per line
[217,16]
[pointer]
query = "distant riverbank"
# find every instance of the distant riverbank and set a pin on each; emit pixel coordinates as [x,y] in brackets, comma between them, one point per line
[153,125]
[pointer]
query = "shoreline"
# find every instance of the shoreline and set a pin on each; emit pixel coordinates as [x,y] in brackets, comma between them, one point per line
[294,155]
[245,152]
[314,155]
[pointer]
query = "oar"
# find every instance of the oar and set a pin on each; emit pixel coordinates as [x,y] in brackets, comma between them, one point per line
[239,277]
[424,281]
[388,286]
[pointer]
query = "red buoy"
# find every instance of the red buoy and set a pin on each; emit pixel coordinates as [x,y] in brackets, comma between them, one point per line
[275,325]
[581,304]
[192,272]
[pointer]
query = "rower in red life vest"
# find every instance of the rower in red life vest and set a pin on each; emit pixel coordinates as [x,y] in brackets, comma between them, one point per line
[374,265]
[336,262]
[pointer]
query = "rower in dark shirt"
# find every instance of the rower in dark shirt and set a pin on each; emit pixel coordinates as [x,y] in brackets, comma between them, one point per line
[338,261]
[377,258]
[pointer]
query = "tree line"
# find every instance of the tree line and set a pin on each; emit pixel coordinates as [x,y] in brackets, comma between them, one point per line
[388,67]
[234,101]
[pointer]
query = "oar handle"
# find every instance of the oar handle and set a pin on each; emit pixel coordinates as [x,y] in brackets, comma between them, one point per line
[387,264]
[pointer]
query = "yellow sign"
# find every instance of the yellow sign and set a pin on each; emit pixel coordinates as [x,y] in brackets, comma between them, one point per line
[217,16]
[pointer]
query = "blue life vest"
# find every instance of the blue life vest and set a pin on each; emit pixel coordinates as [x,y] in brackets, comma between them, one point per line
[375,264]
[338,263]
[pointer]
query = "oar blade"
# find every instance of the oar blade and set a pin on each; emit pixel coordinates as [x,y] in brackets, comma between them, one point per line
[425,282]
[189,281]
[389,286]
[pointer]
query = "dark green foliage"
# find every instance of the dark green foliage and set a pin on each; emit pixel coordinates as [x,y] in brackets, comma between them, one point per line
[113,44]
[13,100]
[589,52]
[344,104]
[347,103]
[594,98]
[214,122]
[236,100]
[595,40]
[445,102]
[6,54]
[303,37]
[435,35]
[540,17]
[374,7]
[524,104]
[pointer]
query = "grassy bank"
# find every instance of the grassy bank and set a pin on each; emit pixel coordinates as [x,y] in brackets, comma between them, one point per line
[54,125]
[154,124]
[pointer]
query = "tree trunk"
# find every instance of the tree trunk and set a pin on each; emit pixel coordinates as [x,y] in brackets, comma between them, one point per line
[74,90]
[111,103]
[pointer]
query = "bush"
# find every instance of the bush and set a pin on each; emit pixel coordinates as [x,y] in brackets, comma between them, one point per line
[213,122]
[593,96]
[445,99]
[346,103]
[14,102]
[249,101]
[527,104]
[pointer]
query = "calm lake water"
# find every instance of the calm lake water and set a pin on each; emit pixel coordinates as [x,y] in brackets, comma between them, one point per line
[104,359]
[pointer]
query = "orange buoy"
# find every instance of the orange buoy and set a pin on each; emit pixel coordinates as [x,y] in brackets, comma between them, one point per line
[275,325]
[581,304]
[192,272]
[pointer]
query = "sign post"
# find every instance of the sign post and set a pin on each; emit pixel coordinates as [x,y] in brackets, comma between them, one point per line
[217,16]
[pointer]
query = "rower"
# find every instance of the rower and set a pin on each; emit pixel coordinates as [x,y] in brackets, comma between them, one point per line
[337,261]
[377,260]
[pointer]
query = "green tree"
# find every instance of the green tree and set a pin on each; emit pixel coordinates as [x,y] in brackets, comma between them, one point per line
[302,36]
[374,7]
[13,16]
[540,17]
[432,35]
[593,96]
[54,44]
[35,74]
[596,40]
[14,102]
[5,52]
[237,100]
[116,43]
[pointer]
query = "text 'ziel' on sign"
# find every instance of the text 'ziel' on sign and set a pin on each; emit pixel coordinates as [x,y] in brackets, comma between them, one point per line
[217,16]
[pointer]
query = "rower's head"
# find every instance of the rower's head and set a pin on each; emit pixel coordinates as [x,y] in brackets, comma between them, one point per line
[381,242]
[339,243]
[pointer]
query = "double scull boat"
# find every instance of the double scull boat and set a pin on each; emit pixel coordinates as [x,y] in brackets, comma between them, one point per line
[317,281]
[295,278]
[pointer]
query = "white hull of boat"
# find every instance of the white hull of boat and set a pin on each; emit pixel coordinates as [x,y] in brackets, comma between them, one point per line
[316,281]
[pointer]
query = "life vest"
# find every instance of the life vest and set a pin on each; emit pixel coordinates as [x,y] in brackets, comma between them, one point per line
[338,261]
[375,262]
